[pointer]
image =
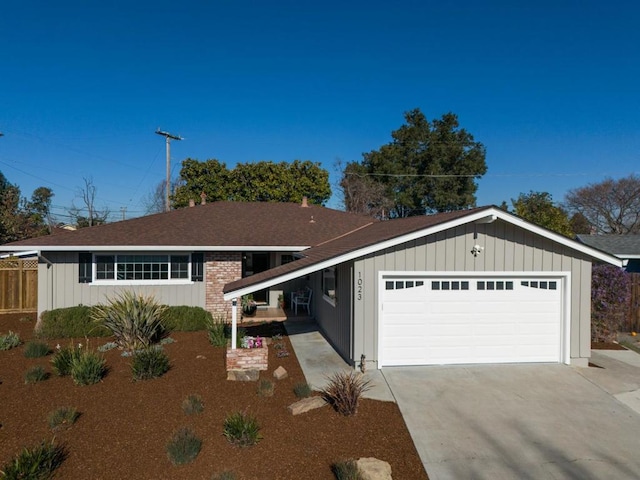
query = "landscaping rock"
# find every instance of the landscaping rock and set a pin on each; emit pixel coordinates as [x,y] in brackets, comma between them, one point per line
[280,373]
[243,375]
[373,469]
[306,404]
[201,357]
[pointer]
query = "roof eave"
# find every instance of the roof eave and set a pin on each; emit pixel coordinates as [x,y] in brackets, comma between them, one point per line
[155,248]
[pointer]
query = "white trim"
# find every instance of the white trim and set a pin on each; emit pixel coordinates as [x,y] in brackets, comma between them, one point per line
[28,253]
[156,281]
[565,282]
[480,216]
[171,281]
[625,256]
[329,300]
[156,248]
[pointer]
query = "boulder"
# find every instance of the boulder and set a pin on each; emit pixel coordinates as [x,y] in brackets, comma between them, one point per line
[373,469]
[243,375]
[306,404]
[280,373]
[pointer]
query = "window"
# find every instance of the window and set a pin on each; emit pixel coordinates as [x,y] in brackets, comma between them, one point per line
[85,263]
[329,282]
[135,267]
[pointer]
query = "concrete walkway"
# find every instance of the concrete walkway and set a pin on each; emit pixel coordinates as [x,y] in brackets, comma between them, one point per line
[318,359]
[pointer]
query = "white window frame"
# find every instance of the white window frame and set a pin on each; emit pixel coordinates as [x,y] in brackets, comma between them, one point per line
[169,281]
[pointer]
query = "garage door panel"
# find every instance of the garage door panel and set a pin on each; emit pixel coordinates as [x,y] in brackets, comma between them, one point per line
[505,322]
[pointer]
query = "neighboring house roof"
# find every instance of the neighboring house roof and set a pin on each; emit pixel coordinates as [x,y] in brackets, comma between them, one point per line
[214,226]
[381,235]
[622,246]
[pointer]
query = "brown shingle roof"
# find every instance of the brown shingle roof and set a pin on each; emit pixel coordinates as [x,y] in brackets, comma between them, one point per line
[218,224]
[375,233]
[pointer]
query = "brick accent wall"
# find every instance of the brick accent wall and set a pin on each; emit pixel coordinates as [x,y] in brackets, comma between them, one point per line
[248,358]
[220,268]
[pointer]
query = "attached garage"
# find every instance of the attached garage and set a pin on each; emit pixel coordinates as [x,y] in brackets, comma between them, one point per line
[452,319]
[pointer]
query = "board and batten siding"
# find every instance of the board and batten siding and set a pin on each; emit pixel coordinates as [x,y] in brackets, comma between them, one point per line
[335,320]
[58,287]
[506,248]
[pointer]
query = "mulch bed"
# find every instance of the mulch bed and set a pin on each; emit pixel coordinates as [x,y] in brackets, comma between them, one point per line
[606,346]
[125,425]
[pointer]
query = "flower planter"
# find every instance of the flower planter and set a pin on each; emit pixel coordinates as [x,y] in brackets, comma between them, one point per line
[248,358]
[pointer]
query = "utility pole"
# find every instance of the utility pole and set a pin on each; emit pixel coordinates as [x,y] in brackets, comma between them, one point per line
[124,211]
[168,137]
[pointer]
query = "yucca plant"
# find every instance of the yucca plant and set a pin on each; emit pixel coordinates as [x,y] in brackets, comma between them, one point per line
[135,320]
[344,391]
[36,463]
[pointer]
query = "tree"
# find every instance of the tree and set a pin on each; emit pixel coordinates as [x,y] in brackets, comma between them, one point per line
[155,200]
[257,182]
[19,218]
[362,194]
[538,208]
[427,167]
[611,206]
[87,195]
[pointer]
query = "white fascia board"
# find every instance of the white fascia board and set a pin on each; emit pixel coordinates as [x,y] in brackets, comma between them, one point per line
[20,253]
[482,217]
[626,256]
[156,248]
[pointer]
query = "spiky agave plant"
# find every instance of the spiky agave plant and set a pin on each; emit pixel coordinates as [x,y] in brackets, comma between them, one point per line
[134,319]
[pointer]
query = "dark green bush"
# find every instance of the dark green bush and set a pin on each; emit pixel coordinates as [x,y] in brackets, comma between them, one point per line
[241,429]
[346,470]
[71,322]
[36,350]
[192,404]
[183,447]
[37,463]
[35,374]
[62,417]
[185,319]
[149,363]
[87,367]
[302,390]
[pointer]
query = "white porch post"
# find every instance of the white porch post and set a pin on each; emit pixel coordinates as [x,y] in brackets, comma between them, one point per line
[234,323]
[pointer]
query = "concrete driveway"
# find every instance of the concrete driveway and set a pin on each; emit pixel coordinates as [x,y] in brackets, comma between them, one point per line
[519,421]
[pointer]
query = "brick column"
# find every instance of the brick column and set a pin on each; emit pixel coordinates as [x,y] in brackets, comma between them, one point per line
[220,269]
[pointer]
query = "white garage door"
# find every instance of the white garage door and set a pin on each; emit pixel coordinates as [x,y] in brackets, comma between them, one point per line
[453,320]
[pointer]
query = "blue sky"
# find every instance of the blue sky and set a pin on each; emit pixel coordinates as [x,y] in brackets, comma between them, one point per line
[551,88]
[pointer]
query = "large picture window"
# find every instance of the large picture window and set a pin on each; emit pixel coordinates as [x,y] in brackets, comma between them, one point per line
[132,267]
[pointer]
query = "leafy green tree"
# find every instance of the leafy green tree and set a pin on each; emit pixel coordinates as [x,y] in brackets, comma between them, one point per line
[428,166]
[257,182]
[19,218]
[610,207]
[538,208]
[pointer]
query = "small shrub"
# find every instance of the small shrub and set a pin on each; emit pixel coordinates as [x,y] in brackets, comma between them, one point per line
[344,391]
[224,476]
[302,390]
[9,341]
[192,405]
[183,447]
[265,388]
[242,430]
[62,417]
[35,374]
[71,322]
[346,470]
[87,367]
[149,363]
[36,350]
[217,331]
[63,358]
[185,319]
[135,320]
[240,334]
[36,463]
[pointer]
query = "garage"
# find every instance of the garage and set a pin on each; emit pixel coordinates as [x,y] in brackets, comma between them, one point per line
[446,319]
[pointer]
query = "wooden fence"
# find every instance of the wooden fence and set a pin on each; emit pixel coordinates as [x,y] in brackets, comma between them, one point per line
[18,285]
